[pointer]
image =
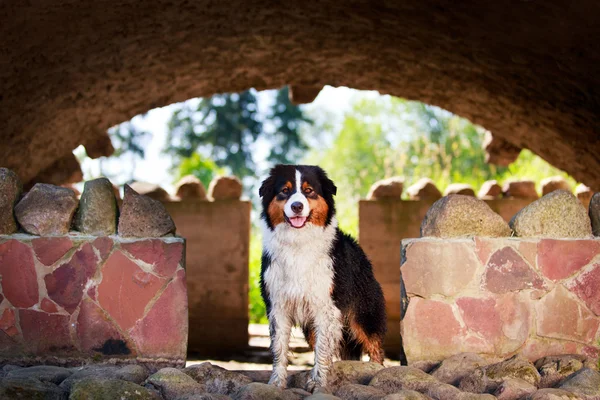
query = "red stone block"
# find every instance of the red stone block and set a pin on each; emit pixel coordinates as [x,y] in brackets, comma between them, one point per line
[529,252]
[536,348]
[480,316]
[561,316]
[97,333]
[439,267]
[559,259]
[92,292]
[49,306]
[165,257]
[591,352]
[7,322]
[1,298]
[44,334]
[104,246]
[506,271]
[430,330]
[51,249]
[587,287]
[19,278]
[484,248]
[126,289]
[163,332]
[65,285]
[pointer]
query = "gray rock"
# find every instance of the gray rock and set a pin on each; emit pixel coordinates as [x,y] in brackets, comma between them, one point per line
[205,396]
[585,382]
[556,215]
[459,188]
[393,379]
[173,383]
[553,394]
[322,396]
[490,190]
[43,373]
[190,188]
[30,389]
[151,190]
[110,389]
[521,189]
[594,213]
[406,395]
[97,212]
[340,373]
[355,391]
[142,216]
[514,389]
[217,379]
[46,210]
[487,379]
[133,373]
[553,183]
[425,365]
[554,369]
[387,188]
[443,391]
[424,189]
[10,191]
[263,391]
[225,188]
[453,369]
[462,216]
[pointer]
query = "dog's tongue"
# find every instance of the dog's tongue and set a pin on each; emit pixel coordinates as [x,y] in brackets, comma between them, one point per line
[297,222]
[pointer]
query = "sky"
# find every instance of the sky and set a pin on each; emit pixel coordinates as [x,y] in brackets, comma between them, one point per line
[155,167]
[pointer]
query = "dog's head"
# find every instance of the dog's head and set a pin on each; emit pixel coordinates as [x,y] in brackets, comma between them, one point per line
[297,195]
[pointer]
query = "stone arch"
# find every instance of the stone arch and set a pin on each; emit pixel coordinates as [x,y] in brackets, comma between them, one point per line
[526,71]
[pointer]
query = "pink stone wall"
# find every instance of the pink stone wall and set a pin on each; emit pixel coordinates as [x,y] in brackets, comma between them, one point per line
[498,297]
[72,298]
[382,226]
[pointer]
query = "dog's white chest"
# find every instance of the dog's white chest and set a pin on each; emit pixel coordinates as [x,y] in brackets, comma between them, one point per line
[299,279]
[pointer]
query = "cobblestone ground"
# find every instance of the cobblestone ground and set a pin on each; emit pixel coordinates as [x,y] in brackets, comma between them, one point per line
[461,377]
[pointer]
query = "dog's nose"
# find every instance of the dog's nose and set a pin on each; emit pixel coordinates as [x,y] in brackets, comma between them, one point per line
[297,207]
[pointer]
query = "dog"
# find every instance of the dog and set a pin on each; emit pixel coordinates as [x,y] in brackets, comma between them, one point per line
[315,276]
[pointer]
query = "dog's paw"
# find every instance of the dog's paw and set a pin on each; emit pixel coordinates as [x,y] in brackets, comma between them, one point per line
[279,381]
[314,385]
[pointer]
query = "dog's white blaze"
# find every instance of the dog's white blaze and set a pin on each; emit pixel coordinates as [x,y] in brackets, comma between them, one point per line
[297,197]
[299,282]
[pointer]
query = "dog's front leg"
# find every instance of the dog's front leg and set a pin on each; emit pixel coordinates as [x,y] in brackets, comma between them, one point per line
[328,326]
[280,326]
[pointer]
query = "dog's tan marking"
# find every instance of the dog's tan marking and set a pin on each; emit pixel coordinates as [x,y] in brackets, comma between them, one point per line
[372,344]
[318,210]
[275,210]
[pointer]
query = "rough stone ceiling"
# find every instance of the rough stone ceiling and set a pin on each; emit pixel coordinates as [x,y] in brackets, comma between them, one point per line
[529,71]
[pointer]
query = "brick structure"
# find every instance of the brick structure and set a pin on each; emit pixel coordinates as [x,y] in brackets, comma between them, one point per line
[67,299]
[217,245]
[382,226]
[500,296]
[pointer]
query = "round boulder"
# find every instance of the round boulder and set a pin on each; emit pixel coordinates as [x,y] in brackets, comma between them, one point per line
[190,188]
[594,213]
[556,215]
[459,188]
[490,190]
[387,188]
[97,212]
[522,189]
[142,216]
[225,188]
[462,216]
[553,183]
[424,189]
[46,210]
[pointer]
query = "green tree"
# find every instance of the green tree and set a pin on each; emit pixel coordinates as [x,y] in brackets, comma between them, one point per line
[129,142]
[287,144]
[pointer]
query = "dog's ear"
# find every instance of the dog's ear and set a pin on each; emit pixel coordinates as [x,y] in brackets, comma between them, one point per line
[326,183]
[267,186]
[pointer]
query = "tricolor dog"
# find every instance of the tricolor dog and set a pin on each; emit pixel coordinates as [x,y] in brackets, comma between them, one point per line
[315,276]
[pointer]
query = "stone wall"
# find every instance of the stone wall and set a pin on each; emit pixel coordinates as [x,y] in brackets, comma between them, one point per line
[217,243]
[70,299]
[500,296]
[383,224]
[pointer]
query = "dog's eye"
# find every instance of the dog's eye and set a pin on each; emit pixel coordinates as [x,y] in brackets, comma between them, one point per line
[285,190]
[308,191]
